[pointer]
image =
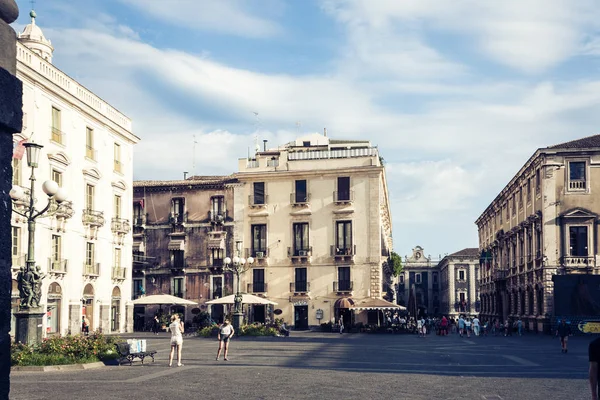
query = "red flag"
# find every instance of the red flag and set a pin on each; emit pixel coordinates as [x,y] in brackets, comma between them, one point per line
[19,149]
[142,203]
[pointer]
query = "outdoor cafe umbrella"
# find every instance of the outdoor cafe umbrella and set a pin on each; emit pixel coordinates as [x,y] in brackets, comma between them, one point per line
[160,299]
[246,299]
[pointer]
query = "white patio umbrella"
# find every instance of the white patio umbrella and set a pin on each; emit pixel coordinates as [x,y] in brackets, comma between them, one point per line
[160,299]
[246,299]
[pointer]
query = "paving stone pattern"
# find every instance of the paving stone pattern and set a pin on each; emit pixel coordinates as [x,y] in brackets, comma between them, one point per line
[332,366]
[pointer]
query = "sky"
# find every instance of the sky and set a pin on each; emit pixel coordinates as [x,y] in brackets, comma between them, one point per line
[456,94]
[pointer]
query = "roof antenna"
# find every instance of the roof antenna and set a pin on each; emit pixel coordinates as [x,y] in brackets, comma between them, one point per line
[265,144]
[325,132]
[256,128]
[185,175]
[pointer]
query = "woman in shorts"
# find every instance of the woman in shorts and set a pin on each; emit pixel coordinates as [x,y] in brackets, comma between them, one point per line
[176,329]
[225,333]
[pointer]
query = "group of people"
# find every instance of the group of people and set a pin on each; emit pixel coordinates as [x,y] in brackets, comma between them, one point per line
[176,327]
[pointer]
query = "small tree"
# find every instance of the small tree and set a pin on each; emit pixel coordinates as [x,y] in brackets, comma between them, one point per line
[395,263]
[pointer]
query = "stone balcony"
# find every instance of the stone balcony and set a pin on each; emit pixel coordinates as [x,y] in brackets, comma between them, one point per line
[118,273]
[120,226]
[93,218]
[57,266]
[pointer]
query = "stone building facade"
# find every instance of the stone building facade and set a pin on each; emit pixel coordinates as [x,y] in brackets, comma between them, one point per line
[84,249]
[544,222]
[459,283]
[183,231]
[314,214]
[420,273]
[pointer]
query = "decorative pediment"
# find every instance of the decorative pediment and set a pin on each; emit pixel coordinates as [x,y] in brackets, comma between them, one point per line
[92,173]
[60,158]
[578,213]
[120,184]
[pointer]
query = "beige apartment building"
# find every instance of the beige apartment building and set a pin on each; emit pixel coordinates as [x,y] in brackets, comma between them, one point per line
[543,223]
[314,215]
[459,279]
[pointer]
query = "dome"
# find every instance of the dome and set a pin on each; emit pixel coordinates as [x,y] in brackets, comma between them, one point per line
[33,38]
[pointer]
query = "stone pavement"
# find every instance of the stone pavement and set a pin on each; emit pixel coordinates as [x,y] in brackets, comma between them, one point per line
[332,366]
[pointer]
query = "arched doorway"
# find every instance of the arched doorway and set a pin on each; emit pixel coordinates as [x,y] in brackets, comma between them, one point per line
[15,300]
[115,309]
[53,309]
[88,304]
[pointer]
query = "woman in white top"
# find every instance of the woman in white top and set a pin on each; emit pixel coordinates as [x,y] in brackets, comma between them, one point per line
[176,328]
[225,333]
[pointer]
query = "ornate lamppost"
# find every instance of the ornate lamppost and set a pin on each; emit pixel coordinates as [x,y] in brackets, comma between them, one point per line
[238,265]
[29,318]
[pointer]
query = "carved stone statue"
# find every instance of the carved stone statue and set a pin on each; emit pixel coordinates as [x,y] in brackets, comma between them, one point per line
[25,281]
[38,276]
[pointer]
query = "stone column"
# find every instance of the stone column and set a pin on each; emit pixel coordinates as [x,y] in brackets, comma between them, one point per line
[104,323]
[472,290]
[11,119]
[75,318]
[451,288]
[129,318]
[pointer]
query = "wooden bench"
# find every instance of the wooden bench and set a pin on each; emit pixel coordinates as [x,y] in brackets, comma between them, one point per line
[126,355]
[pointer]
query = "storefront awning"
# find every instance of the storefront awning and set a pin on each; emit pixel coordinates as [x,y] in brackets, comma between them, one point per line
[176,245]
[344,302]
[376,304]
[216,243]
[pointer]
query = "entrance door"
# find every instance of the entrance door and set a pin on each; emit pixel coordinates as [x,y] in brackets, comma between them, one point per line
[301,318]
[216,313]
[114,320]
[259,313]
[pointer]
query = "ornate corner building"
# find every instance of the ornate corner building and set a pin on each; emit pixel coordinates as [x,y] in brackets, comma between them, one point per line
[542,224]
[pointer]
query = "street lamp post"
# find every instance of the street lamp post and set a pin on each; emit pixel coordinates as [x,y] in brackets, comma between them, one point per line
[238,265]
[29,318]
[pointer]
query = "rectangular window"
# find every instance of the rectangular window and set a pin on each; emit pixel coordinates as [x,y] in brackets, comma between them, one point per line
[177,209]
[343,241]
[259,240]
[117,258]
[258,280]
[56,126]
[117,158]
[117,206]
[89,143]
[300,280]
[138,211]
[89,196]
[461,275]
[538,181]
[529,190]
[301,239]
[343,188]
[521,197]
[344,283]
[301,195]
[16,241]
[463,297]
[56,247]
[217,206]
[178,259]
[217,287]
[57,177]
[178,287]
[577,175]
[89,253]
[16,175]
[217,255]
[138,288]
[578,241]
[259,193]
[418,277]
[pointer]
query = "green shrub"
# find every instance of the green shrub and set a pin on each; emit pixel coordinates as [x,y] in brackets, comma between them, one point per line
[208,331]
[257,330]
[202,319]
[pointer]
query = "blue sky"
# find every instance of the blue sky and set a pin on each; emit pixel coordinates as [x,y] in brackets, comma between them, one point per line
[457,94]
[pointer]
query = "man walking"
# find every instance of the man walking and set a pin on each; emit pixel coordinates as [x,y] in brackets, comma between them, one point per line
[461,326]
[476,326]
[564,331]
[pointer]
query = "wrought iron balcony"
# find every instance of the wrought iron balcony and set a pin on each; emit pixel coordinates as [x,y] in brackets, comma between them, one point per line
[299,199]
[139,220]
[120,226]
[257,287]
[258,254]
[343,197]
[301,253]
[258,201]
[343,254]
[577,261]
[343,286]
[300,287]
[217,217]
[57,266]
[177,218]
[93,218]
[119,273]
[91,270]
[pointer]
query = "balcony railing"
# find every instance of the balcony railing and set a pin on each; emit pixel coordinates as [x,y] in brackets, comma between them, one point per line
[343,286]
[257,287]
[343,197]
[57,135]
[178,218]
[178,265]
[257,201]
[93,217]
[139,220]
[118,273]
[120,225]
[327,154]
[91,269]
[57,265]
[578,185]
[91,153]
[299,199]
[216,262]
[577,261]
[177,294]
[300,287]
[342,252]
[300,252]
[63,210]
[252,164]
[273,162]
[257,254]
[217,217]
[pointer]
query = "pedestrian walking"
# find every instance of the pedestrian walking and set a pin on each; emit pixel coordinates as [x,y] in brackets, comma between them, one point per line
[176,328]
[225,333]
[594,371]
[564,331]
[155,325]
[520,327]
[341,324]
[85,325]
[468,327]
[444,326]
[476,326]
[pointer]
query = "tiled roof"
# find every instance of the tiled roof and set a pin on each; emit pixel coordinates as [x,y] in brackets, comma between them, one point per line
[584,143]
[194,180]
[468,252]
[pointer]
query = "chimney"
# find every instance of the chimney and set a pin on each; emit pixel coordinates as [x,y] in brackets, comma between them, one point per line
[325,132]
[265,144]
[185,175]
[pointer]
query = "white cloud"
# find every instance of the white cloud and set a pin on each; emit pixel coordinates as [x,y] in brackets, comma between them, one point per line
[234,17]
